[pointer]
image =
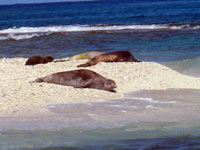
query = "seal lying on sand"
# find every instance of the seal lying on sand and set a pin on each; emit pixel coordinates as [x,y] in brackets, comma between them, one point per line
[34,60]
[118,56]
[81,78]
[88,55]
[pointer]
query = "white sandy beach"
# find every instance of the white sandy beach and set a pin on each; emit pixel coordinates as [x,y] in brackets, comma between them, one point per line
[19,97]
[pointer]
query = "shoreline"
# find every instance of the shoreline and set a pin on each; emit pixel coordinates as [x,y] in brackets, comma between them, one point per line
[19,97]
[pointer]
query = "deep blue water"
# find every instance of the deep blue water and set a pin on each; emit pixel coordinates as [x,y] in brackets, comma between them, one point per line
[152,30]
[100,12]
[161,31]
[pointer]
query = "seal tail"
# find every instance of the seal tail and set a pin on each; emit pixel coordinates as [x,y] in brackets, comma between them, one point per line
[138,61]
[134,60]
[113,91]
[38,80]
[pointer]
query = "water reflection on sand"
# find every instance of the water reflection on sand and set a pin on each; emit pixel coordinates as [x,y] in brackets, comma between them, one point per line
[141,106]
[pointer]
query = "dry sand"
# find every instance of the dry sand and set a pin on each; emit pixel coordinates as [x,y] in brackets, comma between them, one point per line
[19,97]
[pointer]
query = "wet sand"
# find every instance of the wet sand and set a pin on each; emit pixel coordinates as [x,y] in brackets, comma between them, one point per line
[20,97]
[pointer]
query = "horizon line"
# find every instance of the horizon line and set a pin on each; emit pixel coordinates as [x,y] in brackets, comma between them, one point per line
[66,1]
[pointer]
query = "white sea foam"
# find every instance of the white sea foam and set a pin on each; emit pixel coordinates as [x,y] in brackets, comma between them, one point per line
[29,32]
[116,105]
[73,28]
[196,27]
[151,100]
[149,106]
[124,111]
[91,114]
[169,102]
[13,36]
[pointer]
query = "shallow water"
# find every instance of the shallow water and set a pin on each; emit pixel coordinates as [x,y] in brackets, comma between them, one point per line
[153,135]
[187,66]
[162,119]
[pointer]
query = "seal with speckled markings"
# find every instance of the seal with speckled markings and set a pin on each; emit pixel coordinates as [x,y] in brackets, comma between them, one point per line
[88,55]
[81,78]
[34,60]
[118,56]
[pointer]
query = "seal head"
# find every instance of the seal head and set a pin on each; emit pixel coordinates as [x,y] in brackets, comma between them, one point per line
[34,60]
[49,58]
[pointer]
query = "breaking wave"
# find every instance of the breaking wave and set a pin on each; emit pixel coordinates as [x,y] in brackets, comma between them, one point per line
[29,32]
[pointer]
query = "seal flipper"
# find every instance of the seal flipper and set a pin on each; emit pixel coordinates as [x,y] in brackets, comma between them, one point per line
[113,91]
[135,60]
[88,64]
[84,65]
[39,80]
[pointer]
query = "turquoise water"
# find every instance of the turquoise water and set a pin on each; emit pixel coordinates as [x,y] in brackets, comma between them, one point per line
[166,32]
[155,119]
[135,137]
[187,66]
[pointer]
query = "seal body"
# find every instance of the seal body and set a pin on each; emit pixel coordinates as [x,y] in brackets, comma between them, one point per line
[81,78]
[34,60]
[118,56]
[88,55]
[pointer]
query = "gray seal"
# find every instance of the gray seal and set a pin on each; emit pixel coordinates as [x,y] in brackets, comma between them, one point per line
[81,78]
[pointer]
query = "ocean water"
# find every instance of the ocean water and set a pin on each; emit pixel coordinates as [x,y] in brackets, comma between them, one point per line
[167,32]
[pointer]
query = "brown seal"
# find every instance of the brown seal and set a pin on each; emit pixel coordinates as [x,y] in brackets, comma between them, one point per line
[34,60]
[118,56]
[81,78]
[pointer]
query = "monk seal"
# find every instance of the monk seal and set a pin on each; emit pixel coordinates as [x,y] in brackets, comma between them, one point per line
[81,78]
[118,56]
[34,60]
[88,55]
